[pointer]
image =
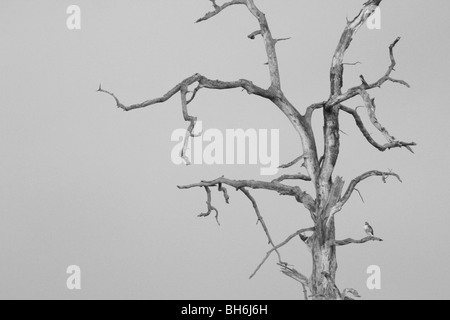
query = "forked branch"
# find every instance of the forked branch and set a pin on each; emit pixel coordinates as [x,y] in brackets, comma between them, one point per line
[286,241]
[354,182]
[354,91]
[282,189]
[182,87]
[393,143]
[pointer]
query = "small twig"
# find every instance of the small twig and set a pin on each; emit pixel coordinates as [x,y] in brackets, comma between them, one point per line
[351,63]
[364,82]
[360,195]
[290,164]
[281,39]
[253,35]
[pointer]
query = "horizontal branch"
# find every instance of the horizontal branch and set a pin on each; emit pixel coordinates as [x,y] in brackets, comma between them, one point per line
[203,82]
[362,177]
[367,135]
[292,177]
[182,87]
[282,189]
[352,241]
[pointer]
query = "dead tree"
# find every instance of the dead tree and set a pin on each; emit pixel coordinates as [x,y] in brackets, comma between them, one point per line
[329,197]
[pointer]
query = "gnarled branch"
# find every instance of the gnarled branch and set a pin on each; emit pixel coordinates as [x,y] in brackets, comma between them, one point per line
[282,189]
[210,207]
[203,82]
[370,105]
[354,91]
[382,147]
[354,182]
[269,44]
[182,87]
[218,9]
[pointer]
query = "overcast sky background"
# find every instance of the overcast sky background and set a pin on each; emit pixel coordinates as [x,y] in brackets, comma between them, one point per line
[84,183]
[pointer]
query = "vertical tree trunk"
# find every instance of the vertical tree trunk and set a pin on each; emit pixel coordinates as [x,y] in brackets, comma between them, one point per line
[323,250]
[322,282]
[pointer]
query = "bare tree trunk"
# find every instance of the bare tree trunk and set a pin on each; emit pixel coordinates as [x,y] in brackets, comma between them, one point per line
[324,263]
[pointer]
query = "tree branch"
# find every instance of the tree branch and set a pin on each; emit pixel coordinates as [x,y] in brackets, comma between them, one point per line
[354,182]
[263,224]
[218,9]
[278,247]
[225,192]
[354,91]
[330,113]
[292,177]
[352,241]
[192,121]
[352,27]
[264,32]
[203,82]
[210,208]
[290,164]
[312,108]
[297,276]
[370,105]
[182,87]
[282,189]
[269,44]
[390,145]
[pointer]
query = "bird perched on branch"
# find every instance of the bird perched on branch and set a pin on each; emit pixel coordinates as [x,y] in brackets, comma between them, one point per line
[368,229]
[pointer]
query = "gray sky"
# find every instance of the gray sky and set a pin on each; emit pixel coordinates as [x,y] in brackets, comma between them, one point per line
[83,183]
